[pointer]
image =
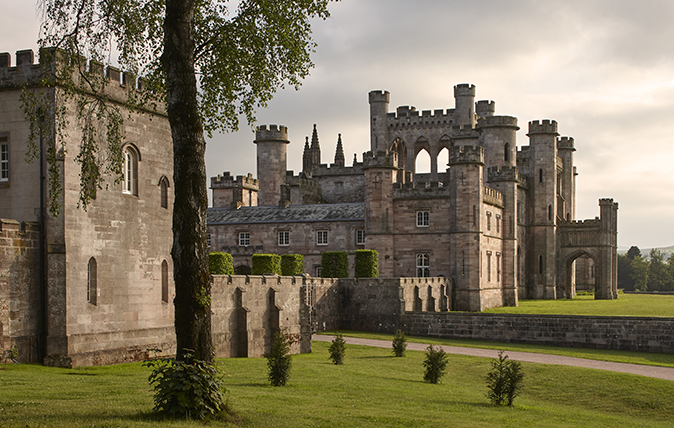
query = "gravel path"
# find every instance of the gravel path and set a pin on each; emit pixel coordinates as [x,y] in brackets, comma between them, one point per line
[666,373]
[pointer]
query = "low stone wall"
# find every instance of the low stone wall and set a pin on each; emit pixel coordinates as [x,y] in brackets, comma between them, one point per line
[643,334]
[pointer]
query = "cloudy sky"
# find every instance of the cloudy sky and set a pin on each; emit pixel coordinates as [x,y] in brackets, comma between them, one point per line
[604,70]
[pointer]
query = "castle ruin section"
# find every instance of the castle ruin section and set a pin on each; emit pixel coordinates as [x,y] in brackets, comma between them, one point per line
[491,220]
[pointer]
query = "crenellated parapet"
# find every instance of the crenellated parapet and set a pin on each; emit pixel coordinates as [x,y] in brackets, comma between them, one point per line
[466,154]
[503,173]
[333,169]
[271,133]
[379,96]
[492,197]
[566,143]
[408,117]
[420,190]
[545,126]
[498,122]
[485,108]
[382,159]
[227,181]
[464,90]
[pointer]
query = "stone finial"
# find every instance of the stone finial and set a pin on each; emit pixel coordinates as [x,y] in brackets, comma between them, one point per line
[339,153]
[306,157]
[355,158]
[315,148]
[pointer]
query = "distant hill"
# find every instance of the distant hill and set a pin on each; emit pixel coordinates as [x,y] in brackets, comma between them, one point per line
[668,251]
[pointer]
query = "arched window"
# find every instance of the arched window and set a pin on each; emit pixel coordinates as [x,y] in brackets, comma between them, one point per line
[130,183]
[163,189]
[164,282]
[506,152]
[91,281]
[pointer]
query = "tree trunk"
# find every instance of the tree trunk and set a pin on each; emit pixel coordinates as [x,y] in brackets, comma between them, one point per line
[190,253]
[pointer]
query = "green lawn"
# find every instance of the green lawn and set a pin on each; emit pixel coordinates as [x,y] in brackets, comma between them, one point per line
[632,305]
[372,389]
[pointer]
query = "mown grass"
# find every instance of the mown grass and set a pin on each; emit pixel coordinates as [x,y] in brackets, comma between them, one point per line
[631,305]
[643,358]
[372,389]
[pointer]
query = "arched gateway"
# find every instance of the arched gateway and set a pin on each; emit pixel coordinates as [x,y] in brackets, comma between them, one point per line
[597,239]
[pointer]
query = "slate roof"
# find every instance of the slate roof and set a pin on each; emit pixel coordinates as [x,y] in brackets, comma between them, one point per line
[290,214]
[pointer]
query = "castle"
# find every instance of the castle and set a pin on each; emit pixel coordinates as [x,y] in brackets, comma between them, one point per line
[499,222]
[95,286]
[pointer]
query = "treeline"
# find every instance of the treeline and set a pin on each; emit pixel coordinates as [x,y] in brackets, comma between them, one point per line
[635,273]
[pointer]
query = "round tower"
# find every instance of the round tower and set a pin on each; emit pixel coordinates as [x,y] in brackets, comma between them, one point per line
[271,162]
[464,111]
[379,101]
[498,137]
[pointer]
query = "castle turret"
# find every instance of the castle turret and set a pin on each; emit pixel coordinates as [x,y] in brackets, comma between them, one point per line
[230,192]
[485,108]
[567,183]
[498,137]
[543,206]
[339,152]
[464,112]
[271,162]
[315,148]
[379,101]
[466,210]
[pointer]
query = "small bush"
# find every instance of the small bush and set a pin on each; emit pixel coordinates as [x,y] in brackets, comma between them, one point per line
[266,263]
[292,264]
[337,350]
[190,388]
[399,344]
[279,360]
[435,364]
[366,264]
[243,270]
[504,381]
[220,263]
[334,264]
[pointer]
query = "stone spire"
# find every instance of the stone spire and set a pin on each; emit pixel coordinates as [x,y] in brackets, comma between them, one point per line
[339,153]
[315,148]
[306,157]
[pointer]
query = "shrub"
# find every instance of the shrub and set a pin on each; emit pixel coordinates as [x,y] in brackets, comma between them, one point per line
[366,264]
[399,344]
[337,350]
[243,270]
[292,264]
[278,360]
[334,264]
[220,263]
[504,381]
[190,388]
[266,263]
[435,364]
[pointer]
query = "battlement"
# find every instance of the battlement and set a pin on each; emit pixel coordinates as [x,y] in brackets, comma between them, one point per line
[298,180]
[271,133]
[546,126]
[466,154]
[420,189]
[379,96]
[226,181]
[485,108]
[492,197]
[498,122]
[566,143]
[608,202]
[334,169]
[382,159]
[464,90]
[503,173]
[593,223]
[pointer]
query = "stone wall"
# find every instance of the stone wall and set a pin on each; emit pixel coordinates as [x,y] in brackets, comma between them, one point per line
[641,334]
[19,288]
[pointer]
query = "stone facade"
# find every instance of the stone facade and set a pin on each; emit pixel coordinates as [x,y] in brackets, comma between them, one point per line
[499,221]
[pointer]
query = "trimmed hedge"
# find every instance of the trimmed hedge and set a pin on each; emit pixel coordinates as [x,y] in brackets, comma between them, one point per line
[242,270]
[292,264]
[220,263]
[266,263]
[367,264]
[334,264]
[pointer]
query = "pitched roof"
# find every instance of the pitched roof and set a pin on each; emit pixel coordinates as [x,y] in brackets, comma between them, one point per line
[292,213]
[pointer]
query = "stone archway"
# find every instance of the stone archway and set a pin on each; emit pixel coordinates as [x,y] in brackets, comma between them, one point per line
[570,273]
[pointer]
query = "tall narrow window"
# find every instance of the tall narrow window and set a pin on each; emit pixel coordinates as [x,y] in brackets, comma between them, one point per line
[463,263]
[550,212]
[474,215]
[506,152]
[488,265]
[360,237]
[4,159]
[92,291]
[130,184]
[163,191]
[423,219]
[164,282]
[498,267]
[488,220]
[540,175]
[540,264]
[423,265]
[498,223]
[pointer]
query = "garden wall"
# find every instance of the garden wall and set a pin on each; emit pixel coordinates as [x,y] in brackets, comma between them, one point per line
[644,334]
